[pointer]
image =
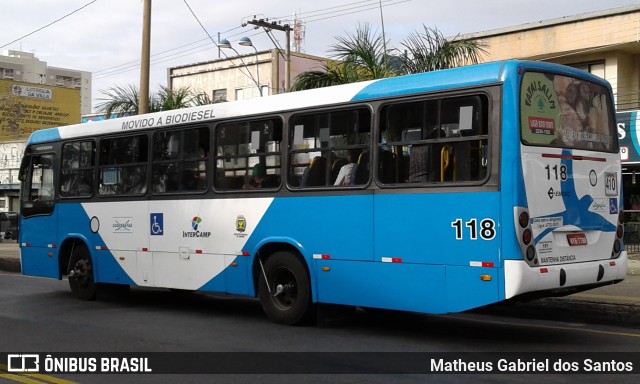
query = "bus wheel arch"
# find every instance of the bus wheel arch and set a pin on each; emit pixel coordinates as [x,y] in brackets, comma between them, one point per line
[81,271]
[66,252]
[283,284]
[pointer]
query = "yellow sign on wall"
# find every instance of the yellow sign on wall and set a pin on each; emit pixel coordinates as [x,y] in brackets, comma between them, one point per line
[26,107]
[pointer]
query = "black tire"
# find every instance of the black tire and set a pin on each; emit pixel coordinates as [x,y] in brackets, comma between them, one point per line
[293,305]
[81,280]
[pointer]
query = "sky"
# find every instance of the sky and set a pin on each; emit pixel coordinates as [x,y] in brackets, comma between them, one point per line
[104,37]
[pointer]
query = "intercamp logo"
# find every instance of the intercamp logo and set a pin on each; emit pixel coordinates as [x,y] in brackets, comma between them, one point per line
[197,232]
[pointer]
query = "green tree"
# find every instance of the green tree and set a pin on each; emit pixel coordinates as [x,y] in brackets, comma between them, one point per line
[431,51]
[124,101]
[121,100]
[363,56]
[357,57]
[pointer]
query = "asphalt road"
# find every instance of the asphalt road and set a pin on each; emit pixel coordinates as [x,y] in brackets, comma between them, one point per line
[40,315]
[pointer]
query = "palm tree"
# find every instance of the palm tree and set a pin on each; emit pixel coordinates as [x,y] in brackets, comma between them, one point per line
[174,99]
[124,101]
[363,57]
[121,101]
[431,51]
[357,57]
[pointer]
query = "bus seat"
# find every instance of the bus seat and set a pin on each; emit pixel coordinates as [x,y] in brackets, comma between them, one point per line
[316,173]
[447,163]
[226,183]
[361,171]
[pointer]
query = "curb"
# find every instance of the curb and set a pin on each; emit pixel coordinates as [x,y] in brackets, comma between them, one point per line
[10,265]
[573,310]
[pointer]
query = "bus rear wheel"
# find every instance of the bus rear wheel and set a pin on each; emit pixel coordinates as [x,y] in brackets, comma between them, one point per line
[81,279]
[285,293]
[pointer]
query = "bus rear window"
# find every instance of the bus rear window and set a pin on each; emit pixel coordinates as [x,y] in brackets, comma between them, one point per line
[565,112]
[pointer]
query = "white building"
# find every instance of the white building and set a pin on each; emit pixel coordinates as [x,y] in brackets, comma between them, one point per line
[25,67]
[238,77]
[18,70]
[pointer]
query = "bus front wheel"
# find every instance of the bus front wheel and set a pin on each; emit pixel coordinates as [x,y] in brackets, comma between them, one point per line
[81,279]
[284,289]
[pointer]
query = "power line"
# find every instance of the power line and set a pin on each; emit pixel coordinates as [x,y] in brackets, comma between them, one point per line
[50,24]
[347,9]
[198,20]
[248,74]
[373,4]
[358,10]
[323,9]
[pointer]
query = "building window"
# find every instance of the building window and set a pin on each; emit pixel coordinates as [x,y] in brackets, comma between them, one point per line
[219,95]
[7,73]
[593,68]
[250,92]
[67,81]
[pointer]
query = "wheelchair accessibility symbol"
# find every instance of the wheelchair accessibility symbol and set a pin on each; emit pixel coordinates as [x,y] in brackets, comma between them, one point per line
[157,224]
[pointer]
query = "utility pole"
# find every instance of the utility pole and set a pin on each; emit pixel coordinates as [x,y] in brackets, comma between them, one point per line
[143,103]
[287,61]
[384,39]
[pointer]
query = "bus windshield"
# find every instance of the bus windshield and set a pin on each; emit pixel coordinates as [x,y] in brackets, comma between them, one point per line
[565,112]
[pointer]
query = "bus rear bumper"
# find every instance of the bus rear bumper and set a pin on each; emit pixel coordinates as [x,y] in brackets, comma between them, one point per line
[520,278]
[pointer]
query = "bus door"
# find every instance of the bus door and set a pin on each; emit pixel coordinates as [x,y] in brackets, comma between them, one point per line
[38,239]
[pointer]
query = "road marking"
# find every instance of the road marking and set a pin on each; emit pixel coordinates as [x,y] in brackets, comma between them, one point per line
[626,334]
[30,378]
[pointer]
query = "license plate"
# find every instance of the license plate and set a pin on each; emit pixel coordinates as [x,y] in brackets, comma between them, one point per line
[577,239]
[610,184]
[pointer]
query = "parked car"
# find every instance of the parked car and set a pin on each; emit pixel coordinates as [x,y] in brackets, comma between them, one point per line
[9,225]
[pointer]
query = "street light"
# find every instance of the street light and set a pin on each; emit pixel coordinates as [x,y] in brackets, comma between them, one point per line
[245,41]
[224,43]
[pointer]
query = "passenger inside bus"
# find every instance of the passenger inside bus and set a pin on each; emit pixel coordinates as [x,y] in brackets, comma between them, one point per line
[345,175]
[260,179]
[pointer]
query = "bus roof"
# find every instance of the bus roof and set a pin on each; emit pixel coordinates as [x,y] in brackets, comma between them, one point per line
[455,78]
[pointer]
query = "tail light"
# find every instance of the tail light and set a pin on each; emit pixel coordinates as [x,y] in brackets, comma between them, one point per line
[525,235]
[618,242]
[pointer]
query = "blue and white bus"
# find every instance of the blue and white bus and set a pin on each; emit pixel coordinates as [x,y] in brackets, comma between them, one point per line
[458,189]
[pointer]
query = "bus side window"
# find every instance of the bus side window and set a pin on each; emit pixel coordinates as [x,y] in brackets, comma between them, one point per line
[123,165]
[78,160]
[327,145]
[433,141]
[180,160]
[248,155]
